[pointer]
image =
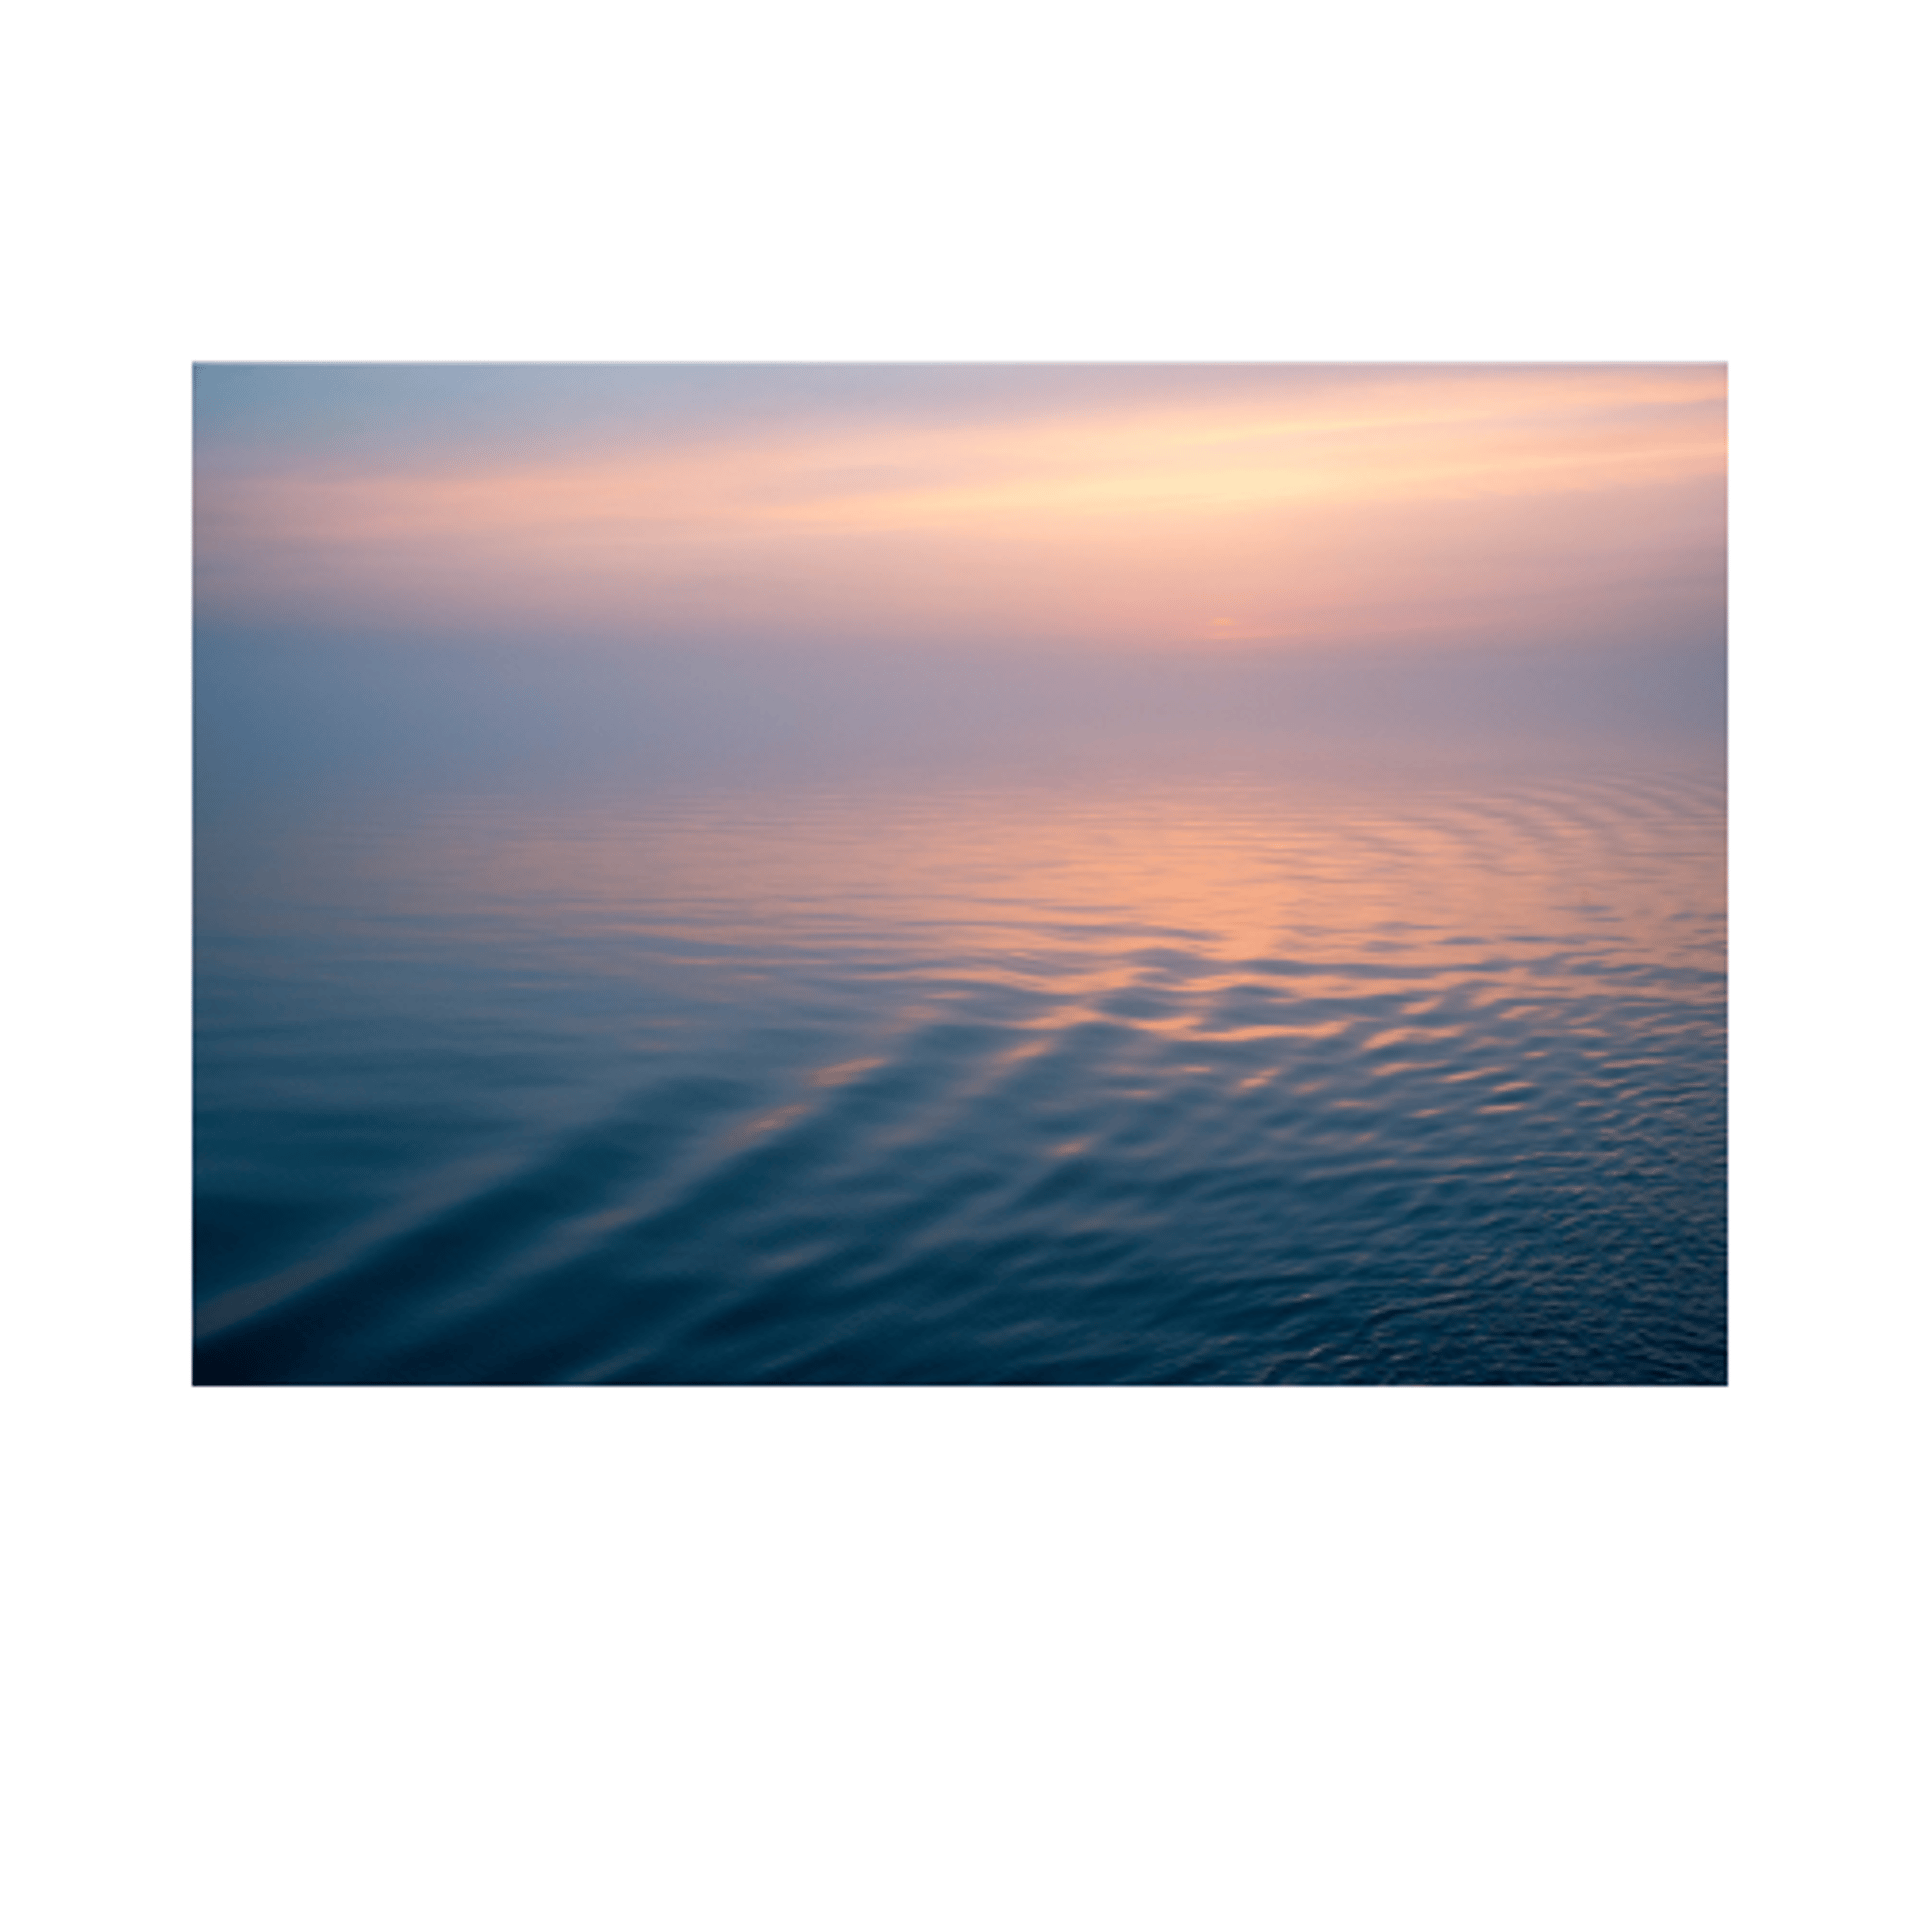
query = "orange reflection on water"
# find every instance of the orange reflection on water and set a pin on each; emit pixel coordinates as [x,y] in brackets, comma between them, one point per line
[1179,893]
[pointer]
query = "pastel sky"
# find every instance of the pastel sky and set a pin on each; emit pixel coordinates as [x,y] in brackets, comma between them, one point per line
[1153,507]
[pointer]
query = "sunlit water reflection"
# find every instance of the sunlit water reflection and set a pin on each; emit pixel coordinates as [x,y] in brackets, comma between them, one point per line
[1282,1073]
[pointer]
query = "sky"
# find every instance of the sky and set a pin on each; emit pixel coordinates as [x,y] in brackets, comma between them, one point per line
[1161,510]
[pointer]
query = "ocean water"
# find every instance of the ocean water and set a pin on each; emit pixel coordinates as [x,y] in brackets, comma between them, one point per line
[1252,1066]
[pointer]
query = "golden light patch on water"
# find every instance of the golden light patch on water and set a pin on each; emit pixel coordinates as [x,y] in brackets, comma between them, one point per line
[763,1124]
[1024,1050]
[1388,1037]
[1171,890]
[1277,1030]
[838,1076]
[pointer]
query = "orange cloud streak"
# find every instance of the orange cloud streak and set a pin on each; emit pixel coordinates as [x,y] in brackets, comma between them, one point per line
[1451,502]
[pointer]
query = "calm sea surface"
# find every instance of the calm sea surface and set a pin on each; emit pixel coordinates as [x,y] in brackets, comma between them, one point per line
[1267,1071]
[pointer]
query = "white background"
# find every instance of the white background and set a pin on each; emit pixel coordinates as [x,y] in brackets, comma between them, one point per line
[1487,1653]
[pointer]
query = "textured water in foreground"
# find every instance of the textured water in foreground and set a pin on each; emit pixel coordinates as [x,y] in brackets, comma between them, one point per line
[1281,1072]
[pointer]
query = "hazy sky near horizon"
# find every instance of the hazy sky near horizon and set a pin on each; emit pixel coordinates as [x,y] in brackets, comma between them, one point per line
[1183,508]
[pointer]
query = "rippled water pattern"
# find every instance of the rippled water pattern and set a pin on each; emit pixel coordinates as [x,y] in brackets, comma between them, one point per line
[1275,1076]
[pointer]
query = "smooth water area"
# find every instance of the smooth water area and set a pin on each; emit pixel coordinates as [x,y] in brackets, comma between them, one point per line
[1263,1067]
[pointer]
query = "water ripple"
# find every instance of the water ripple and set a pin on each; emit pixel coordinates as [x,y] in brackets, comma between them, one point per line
[1228,1082]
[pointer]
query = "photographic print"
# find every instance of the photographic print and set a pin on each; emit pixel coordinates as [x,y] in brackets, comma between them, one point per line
[960,875]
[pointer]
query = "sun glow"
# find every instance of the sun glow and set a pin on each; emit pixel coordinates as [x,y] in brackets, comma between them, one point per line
[1448,500]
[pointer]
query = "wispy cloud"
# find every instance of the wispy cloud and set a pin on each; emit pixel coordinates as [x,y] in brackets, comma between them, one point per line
[1098,506]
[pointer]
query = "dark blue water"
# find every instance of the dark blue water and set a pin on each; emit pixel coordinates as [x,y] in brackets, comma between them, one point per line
[1236,1068]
